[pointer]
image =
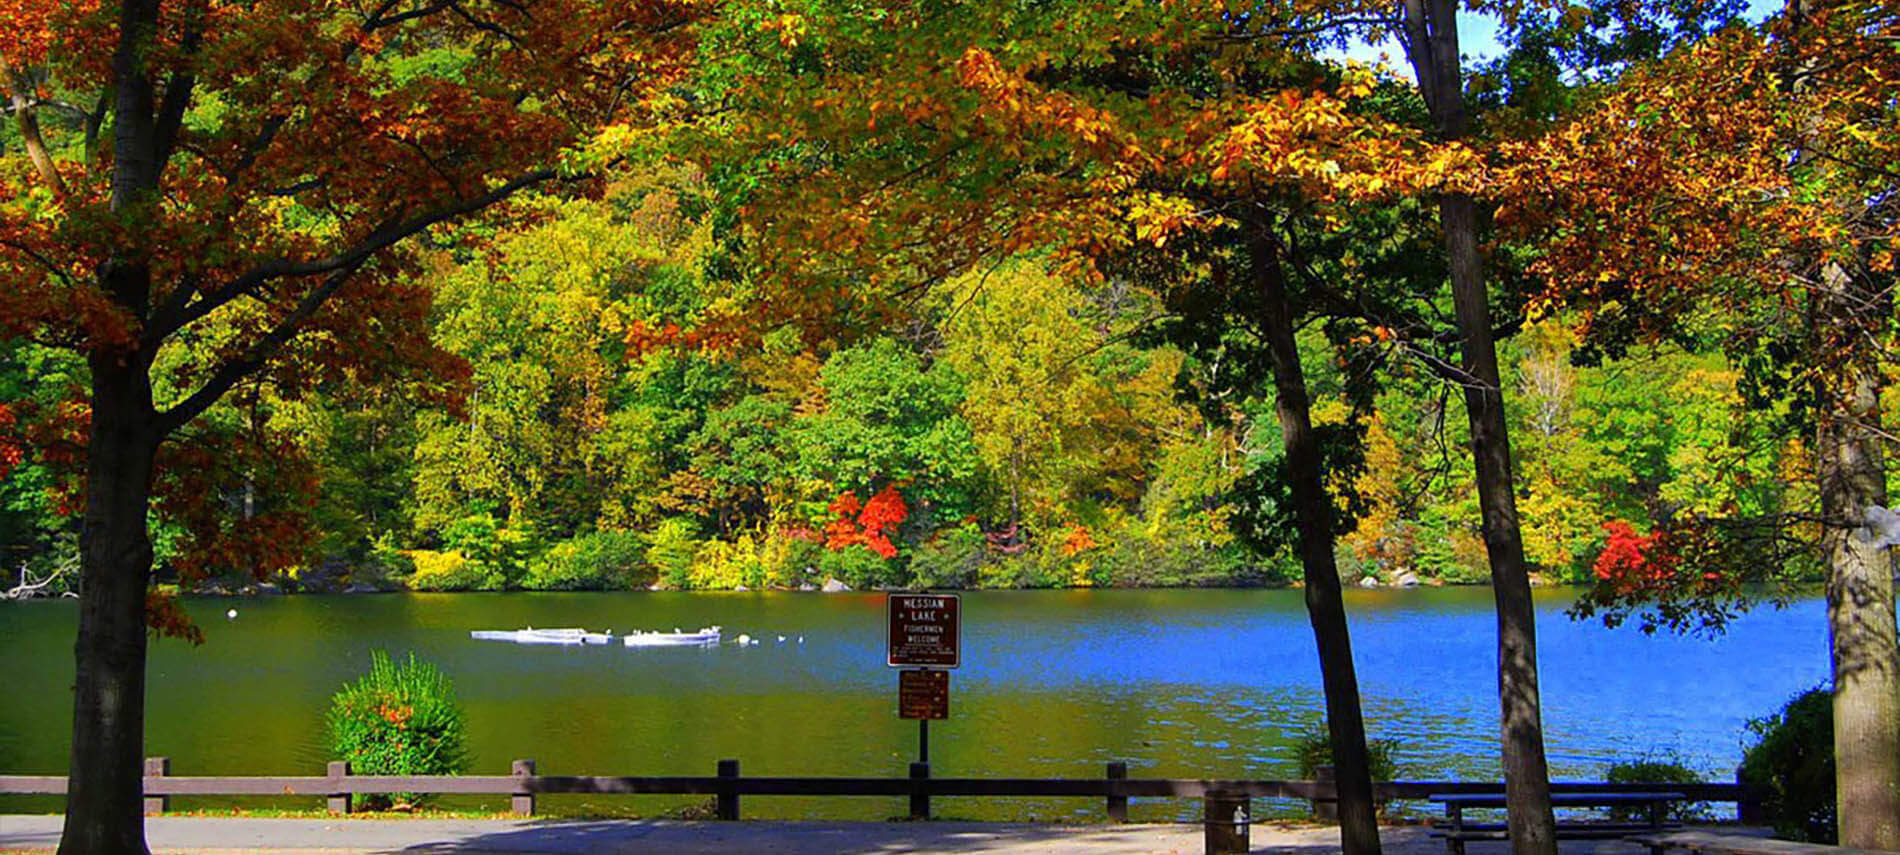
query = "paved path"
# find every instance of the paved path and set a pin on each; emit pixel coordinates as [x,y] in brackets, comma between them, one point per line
[215,836]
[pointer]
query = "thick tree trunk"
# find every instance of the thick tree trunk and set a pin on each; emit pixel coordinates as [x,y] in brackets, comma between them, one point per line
[104,805]
[104,802]
[1313,511]
[1860,598]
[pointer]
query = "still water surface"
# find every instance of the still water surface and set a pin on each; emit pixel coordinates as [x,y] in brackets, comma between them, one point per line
[1178,683]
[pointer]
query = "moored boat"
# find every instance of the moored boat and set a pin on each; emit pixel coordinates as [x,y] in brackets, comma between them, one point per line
[568,636]
[706,636]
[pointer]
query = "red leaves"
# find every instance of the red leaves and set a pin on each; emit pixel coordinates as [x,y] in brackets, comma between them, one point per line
[165,617]
[868,525]
[1630,557]
[1632,563]
[11,450]
[1078,540]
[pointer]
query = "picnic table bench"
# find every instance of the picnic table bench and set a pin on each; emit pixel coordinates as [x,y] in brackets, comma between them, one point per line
[1456,830]
[1714,843]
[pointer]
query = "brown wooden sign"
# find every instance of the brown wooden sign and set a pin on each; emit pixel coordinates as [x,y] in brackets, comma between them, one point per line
[923,694]
[923,630]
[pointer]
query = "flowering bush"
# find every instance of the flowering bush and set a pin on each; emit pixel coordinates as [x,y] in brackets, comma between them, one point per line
[399,719]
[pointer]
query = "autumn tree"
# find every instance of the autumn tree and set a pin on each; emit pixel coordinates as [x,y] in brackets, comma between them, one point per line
[234,203]
[875,162]
[1737,192]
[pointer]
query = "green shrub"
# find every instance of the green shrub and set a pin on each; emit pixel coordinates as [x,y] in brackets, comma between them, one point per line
[722,565]
[599,561]
[1315,749]
[399,719]
[671,548]
[790,560]
[384,566]
[857,566]
[951,559]
[1792,765]
[1656,770]
[450,570]
[1137,554]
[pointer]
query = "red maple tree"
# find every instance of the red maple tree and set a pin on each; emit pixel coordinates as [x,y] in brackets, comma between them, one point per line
[869,525]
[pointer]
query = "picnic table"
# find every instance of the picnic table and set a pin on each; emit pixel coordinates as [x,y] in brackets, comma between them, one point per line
[1456,830]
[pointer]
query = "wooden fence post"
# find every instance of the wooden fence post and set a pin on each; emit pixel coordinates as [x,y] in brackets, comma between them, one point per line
[1226,817]
[1326,809]
[521,803]
[728,800]
[157,767]
[919,797]
[1117,804]
[339,802]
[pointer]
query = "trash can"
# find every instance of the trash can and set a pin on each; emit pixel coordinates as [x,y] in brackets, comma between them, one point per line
[1227,817]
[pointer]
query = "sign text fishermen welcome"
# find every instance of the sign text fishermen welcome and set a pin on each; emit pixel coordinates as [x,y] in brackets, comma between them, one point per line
[923,630]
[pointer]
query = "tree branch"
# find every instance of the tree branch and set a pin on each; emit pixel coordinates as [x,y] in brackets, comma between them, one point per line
[336,269]
[27,117]
[253,359]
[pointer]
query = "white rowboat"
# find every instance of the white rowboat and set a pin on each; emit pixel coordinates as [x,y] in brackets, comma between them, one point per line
[705,637]
[568,637]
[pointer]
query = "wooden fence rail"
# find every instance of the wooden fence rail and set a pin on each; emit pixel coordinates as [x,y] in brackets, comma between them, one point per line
[1114,787]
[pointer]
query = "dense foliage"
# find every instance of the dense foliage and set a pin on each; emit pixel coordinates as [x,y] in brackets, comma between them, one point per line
[1017,429]
[1314,749]
[1792,765]
[1655,770]
[400,718]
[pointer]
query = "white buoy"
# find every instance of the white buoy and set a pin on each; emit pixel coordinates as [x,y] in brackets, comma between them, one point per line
[231,615]
[743,640]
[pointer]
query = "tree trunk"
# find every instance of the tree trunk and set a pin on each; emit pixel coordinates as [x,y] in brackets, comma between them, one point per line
[1431,43]
[1526,773]
[1860,598]
[1313,512]
[104,801]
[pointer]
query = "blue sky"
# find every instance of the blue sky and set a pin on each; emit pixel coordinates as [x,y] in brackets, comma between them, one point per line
[1478,37]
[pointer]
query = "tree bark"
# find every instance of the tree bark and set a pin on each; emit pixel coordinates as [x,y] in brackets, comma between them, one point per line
[1526,772]
[104,801]
[1431,43]
[1313,512]
[1860,597]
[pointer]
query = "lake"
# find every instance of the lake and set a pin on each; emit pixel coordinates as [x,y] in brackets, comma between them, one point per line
[1177,683]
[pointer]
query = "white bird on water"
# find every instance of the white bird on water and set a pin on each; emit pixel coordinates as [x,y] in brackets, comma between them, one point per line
[231,615]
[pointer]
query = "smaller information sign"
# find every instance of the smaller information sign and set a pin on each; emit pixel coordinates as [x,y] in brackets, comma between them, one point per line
[923,629]
[923,694]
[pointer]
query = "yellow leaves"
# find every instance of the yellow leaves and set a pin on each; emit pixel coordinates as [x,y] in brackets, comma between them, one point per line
[790,27]
[1157,216]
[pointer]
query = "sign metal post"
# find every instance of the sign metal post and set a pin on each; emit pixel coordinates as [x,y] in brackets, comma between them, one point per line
[924,637]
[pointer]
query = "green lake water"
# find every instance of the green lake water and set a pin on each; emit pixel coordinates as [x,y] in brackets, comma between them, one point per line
[1177,683]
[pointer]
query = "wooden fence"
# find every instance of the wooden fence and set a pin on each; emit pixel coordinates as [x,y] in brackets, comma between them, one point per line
[1115,788]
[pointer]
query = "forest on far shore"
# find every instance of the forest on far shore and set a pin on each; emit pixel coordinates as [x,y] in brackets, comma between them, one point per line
[1012,427]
